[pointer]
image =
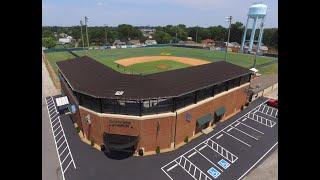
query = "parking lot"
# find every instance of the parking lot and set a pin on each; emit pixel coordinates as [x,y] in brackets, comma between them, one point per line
[61,143]
[231,152]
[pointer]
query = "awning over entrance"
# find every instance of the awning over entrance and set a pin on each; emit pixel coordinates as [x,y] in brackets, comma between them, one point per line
[220,111]
[204,119]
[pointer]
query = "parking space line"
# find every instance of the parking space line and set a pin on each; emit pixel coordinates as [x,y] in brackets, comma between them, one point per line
[193,175]
[192,154]
[63,151]
[252,128]
[238,139]
[257,161]
[172,167]
[166,173]
[208,160]
[65,157]
[260,119]
[219,136]
[229,129]
[61,144]
[245,133]
[67,167]
[54,120]
[60,138]
[214,146]
[55,125]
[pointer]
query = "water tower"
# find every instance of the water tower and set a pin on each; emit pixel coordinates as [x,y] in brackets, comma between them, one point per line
[257,12]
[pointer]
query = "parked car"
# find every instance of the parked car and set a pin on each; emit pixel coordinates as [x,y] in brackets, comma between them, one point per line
[273,103]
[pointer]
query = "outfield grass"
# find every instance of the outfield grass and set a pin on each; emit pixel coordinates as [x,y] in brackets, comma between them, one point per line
[155,66]
[108,57]
[270,69]
[54,57]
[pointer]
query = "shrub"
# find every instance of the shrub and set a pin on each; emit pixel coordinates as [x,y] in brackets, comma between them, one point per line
[92,142]
[186,139]
[78,129]
[140,152]
[158,150]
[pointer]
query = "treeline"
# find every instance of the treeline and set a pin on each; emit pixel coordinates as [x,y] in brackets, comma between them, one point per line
[99,35]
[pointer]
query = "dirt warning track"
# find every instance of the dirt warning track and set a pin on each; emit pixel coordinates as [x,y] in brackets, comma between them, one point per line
[142,59]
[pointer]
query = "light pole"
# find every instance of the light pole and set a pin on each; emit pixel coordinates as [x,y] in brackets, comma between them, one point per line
[86,24]
[197,35]
[105,31]
[81,24]
[229,19]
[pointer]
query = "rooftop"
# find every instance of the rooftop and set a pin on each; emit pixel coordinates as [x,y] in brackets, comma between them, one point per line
[90,77]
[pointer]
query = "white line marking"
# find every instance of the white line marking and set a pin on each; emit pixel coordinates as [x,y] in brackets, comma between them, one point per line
[67,166]
[61,144]
[258,161]
[166,173]
[219,136]
[252,128]
[209,160]
[258,106]
[172,167]
[202,147]
[245,133]
[54,120]
[63,151]
[60,138]
[192,154]
[65,157]
[238,139]
[229,129]
[244,119]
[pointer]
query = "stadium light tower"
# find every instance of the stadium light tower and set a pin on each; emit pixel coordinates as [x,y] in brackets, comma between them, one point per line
[229,19]
[81,24]
[86,19]
[106,33]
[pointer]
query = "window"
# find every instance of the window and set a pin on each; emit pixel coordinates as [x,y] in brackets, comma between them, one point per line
[154,106]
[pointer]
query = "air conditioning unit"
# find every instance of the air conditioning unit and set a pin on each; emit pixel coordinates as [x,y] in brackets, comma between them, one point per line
[87,119]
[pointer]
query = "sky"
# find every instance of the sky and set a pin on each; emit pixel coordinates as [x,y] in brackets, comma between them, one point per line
[152,12]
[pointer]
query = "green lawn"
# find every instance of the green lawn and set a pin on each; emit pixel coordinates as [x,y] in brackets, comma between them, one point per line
[270,69]
[54,57]
[155,66]
[107,57]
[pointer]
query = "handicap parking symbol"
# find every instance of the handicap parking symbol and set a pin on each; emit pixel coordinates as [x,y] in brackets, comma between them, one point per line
[223,163]
[213,172]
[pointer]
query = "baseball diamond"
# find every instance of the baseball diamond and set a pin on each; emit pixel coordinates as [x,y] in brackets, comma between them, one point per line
[128,113]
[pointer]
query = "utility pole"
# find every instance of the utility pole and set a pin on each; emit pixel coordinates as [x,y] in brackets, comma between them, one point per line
[105,31]
[81,24]
[229,19]
[197,34]
[86,24]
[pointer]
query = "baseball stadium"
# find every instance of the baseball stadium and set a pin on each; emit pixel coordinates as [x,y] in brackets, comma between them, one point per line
[143,99]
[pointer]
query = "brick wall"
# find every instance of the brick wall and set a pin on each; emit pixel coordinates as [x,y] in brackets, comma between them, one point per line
[150,138]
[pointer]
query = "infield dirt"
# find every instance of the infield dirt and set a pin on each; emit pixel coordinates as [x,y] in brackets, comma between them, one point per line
[142,59]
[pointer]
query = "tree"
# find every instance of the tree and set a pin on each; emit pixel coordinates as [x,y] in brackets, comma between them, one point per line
[48,42]
[162,37]
[236,31]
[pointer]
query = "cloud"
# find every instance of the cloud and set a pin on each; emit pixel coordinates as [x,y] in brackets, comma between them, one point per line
[100,3]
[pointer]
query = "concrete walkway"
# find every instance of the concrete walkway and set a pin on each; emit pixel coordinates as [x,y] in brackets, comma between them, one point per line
[50,163]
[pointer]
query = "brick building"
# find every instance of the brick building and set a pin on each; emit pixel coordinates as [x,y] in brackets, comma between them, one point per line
[126,112]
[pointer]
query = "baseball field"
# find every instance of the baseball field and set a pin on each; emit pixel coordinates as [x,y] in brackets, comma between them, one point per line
[158,59]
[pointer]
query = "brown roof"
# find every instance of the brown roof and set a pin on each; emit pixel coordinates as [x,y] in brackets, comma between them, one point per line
[90,77]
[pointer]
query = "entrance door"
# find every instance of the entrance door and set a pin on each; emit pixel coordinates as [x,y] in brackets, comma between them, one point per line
[217,118]
[199,128]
